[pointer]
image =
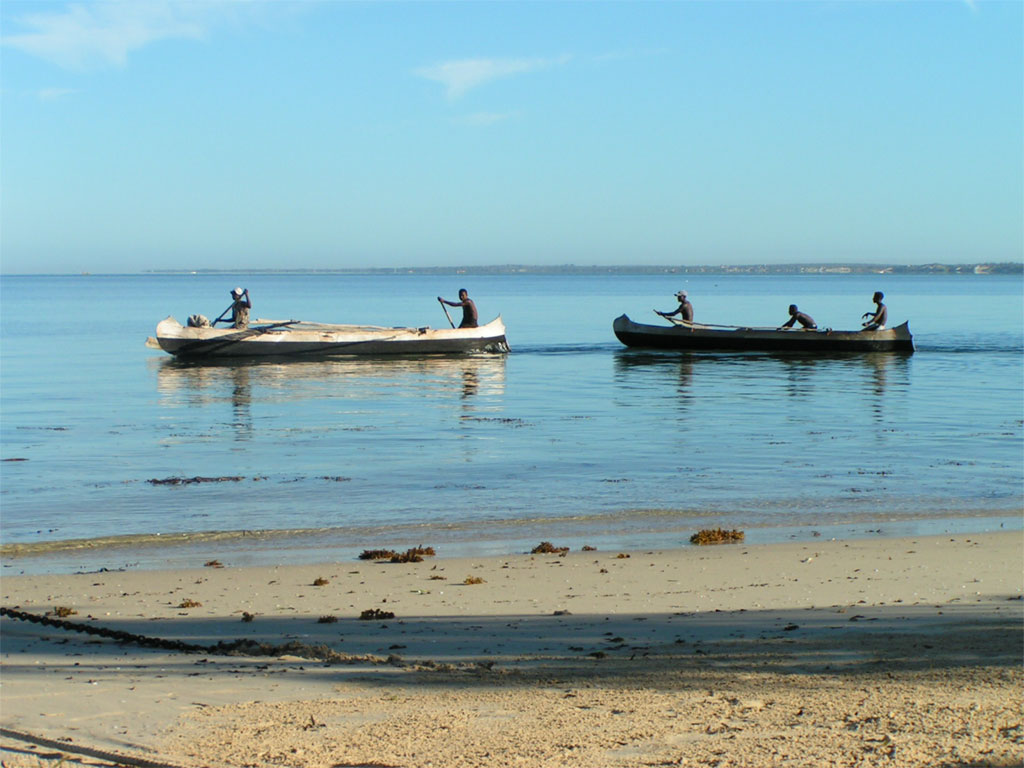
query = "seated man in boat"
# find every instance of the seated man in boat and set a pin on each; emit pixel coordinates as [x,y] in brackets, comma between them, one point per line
[469,316]
[240,308]
[796,316]
[876,320]
[684,310]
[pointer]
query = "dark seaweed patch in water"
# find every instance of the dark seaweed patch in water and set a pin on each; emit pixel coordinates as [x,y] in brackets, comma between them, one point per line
[497,420]
[194,480]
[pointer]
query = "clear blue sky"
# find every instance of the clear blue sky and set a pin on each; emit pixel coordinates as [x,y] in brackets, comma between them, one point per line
[148,135]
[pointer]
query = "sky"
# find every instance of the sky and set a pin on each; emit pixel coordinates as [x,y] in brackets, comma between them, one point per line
[238,134]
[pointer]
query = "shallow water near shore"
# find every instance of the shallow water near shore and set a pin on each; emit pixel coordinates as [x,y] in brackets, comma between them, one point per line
[570,436]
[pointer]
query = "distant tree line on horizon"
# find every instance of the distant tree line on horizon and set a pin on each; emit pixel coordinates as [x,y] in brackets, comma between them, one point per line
[1001,268]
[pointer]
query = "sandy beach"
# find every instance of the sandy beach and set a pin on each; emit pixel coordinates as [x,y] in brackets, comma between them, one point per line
[896,652]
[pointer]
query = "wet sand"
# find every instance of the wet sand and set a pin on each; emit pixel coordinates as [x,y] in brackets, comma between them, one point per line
[902,652]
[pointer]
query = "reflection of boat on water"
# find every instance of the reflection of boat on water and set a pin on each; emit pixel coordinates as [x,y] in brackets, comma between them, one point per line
[694,336]
[481,373]
[299,339]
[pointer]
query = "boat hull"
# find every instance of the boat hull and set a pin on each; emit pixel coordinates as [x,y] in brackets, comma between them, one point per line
[698,337]
[307,340]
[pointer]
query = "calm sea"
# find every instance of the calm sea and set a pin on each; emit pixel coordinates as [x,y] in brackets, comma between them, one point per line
[571,438]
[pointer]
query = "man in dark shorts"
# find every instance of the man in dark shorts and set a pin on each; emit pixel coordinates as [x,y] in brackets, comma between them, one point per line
[796,316]
[469,316]
[684,310]
[876,320]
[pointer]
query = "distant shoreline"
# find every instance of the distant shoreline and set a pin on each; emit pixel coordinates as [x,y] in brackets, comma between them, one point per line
[982,268]
[1003,268]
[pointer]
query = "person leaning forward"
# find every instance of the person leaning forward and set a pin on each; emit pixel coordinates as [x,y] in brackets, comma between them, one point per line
[469,315]
[684,310]
[796,316]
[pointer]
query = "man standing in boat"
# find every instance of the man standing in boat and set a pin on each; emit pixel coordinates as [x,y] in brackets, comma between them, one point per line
[240,308]
[469,316]
[796,316]
[684,310]
[876,320]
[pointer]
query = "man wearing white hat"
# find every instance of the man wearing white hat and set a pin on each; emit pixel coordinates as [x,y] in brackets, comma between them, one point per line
[240,308]
[684,310]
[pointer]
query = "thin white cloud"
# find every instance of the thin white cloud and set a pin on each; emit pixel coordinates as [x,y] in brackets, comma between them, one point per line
[52,94]
[624,55]
[485,118]
[461,76]
[105,33]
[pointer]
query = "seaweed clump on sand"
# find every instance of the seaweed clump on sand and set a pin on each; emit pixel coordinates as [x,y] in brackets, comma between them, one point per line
[547,548]
[374,614]
[412,555]
[377,554]
[716,536]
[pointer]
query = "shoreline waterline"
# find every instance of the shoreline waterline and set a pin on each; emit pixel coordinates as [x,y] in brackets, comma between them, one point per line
[496,538]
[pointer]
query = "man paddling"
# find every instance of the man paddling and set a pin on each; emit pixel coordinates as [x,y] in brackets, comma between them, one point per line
[796,316]
[240,306]
[684,310]
[469,316]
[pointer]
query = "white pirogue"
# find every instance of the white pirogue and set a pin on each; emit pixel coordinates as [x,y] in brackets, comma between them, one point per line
[297,338]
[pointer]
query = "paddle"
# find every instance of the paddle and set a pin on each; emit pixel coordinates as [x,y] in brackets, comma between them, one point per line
[222,314]
[439,301]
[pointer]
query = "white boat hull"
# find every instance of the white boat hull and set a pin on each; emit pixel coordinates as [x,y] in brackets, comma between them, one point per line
[301,339]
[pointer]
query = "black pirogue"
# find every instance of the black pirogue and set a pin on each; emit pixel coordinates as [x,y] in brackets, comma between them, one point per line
[695,336]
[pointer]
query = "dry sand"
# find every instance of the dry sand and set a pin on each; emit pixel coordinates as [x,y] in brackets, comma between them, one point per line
[893,652]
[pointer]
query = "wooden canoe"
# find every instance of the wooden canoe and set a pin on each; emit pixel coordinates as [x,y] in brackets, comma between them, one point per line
[294,338]
[694,336]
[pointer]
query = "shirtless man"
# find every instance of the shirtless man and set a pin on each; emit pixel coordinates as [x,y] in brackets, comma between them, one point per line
[684,310]
[876,320]
[469,316]
[796,316]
